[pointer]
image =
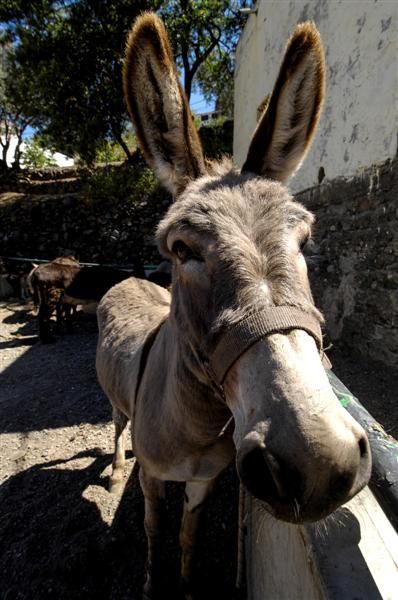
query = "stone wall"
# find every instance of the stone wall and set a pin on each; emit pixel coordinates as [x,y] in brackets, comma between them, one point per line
[107,215]
[354,271]
[104,231]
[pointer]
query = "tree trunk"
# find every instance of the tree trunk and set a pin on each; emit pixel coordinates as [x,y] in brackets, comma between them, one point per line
[17,155]
[188,85]
[3,167]
[118,137]
[6,147]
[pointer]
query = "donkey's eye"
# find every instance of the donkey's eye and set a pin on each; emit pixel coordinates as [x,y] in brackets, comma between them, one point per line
[304,242]
[184,252]
[307,246]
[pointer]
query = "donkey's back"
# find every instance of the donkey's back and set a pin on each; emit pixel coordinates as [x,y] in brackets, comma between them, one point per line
[127,315]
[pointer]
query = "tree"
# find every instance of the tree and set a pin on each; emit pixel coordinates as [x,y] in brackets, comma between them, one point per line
[110,151]
[216,80]
[13,120]
[203,32]
[67,61]
[71,52]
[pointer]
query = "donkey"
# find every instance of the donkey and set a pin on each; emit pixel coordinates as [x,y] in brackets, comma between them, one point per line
[229,364]
[47,283]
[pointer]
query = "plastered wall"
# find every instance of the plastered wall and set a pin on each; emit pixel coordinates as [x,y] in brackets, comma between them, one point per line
[359,123]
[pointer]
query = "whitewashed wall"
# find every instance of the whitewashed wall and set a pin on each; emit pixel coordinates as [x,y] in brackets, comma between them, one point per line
[11,150]
[360,119]
[59,159]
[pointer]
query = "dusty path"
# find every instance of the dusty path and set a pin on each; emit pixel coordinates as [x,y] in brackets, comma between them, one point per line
[62,535]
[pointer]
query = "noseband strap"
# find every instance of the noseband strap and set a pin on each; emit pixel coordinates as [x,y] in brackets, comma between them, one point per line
[252,328]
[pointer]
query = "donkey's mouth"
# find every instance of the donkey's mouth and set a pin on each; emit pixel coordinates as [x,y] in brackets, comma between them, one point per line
[282,491]
[296,514]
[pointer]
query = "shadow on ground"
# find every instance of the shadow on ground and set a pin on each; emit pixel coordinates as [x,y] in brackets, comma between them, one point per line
[57,545]
[49,386]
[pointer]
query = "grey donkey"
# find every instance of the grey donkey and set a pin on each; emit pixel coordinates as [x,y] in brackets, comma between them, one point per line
[228,366]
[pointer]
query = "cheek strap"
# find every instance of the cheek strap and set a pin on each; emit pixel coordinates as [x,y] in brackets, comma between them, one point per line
[252,328]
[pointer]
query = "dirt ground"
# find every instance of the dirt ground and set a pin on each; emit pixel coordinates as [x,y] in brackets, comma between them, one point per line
[62,535]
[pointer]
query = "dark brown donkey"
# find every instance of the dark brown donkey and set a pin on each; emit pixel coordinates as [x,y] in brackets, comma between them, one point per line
[230,364]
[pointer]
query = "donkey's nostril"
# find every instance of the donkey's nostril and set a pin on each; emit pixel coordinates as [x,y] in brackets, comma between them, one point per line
[255,475]
[267,478]
[363,447]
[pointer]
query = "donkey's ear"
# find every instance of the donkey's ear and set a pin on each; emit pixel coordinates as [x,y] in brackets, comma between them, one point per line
[288,124]
[158,106]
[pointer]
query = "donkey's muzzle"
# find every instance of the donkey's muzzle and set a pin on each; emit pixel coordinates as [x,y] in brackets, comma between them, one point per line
[293,493]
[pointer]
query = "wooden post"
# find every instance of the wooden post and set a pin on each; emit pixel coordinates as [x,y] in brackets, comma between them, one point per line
[352,554]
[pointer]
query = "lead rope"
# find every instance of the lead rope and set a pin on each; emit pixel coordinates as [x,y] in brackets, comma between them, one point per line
[240,567]
[240,556]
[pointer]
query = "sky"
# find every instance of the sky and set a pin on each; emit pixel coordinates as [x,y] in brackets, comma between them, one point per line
[199,105]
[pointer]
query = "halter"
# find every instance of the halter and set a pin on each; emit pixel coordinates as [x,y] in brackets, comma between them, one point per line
[252,328]
[238,338]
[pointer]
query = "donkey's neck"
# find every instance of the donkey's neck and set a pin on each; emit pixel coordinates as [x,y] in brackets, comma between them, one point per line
[182,386]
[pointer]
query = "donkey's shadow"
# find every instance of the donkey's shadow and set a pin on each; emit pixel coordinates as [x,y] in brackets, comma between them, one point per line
[216,551]
[54,542]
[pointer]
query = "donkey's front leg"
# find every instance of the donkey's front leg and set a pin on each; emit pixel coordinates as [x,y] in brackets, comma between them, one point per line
[43,316]
[119,458]
[196,493]
[154,493]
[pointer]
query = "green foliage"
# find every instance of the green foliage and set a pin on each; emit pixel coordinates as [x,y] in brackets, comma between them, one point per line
[217,138]
[217,121]
[36,157]
[67,60]
[132,182]
[216,80]
[13,119]
[202,32]
[110,151]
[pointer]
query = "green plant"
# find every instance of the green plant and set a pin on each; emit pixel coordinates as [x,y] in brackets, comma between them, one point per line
[50,42]
[36,157]
[217,137]
[110,151]
[132,182]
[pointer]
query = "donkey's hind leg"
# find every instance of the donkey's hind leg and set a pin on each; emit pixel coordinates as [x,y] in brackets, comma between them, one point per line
[119,458]
[196,493]
[154,493]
